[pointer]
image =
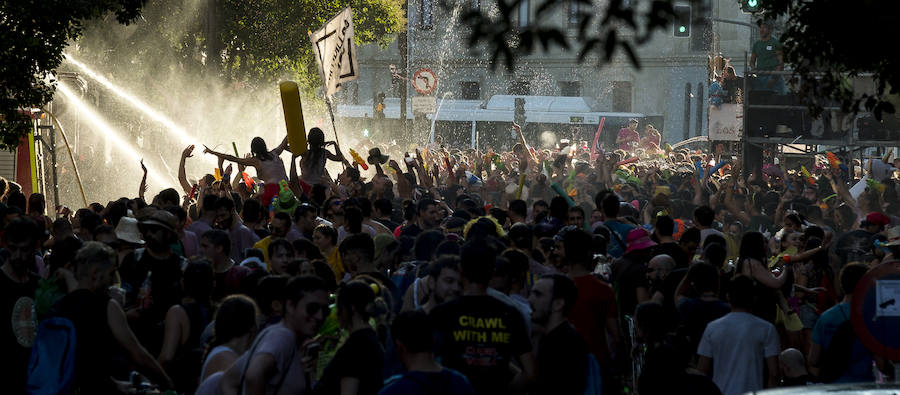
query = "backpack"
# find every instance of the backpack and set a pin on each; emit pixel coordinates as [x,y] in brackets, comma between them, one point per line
[835,360]
[594,379]
[51,368]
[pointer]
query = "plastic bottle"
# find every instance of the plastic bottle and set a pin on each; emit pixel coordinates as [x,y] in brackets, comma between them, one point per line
[144,298]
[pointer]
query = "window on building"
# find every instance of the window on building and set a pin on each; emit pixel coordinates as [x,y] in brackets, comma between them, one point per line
[524,13]
[470,90]
[427,14]
[574,10]
[570,88]
[521,88]
[621,95]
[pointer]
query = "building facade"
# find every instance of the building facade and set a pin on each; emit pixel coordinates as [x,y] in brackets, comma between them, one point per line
[671,85]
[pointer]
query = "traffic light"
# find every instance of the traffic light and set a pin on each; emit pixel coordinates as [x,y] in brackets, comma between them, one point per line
[519,116]
[682,21]
[750,6]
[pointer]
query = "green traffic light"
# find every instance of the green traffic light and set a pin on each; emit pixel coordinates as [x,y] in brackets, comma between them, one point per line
[682,29]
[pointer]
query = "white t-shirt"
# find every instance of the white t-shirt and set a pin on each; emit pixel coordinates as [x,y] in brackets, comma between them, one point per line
[342,232]
[739,344]
[279,342]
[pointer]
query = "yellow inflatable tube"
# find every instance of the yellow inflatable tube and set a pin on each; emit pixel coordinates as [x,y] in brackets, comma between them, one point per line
[293,116]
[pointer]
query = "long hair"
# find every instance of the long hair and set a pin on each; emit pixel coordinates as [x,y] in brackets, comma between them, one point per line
[753,246]
[235,317]
[259,149]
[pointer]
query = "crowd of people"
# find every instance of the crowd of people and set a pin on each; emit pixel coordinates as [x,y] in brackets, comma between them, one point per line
[560,270]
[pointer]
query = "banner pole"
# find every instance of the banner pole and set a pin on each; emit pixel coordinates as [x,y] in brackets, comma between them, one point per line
[333,127]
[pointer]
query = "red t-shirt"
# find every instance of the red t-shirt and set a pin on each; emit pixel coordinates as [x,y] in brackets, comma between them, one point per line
[627,136]
[596,303]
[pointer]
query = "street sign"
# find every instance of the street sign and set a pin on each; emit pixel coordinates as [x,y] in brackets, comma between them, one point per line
[425,81]
[424,104]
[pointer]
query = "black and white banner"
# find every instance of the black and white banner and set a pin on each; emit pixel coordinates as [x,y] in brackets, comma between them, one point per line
[335,52]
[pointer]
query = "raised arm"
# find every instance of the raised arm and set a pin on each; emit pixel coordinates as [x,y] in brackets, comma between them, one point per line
[118,325]
[231,158]
[730,204]
[142,189]
[281,147]
[182,175]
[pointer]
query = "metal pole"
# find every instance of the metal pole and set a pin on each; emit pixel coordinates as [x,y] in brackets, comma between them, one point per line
[62,132]
[403,44]
[53,170]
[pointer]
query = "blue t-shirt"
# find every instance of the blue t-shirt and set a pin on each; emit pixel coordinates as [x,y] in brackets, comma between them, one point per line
[447,381]
[860,357]
[615,248]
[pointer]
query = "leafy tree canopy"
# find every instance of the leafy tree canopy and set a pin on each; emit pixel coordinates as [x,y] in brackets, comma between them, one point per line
[253,43]
[33,35]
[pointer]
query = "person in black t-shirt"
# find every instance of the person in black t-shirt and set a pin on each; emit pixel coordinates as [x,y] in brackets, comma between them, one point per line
[357,366]
[479,335]
[562,357]
[662,232]
[414,340]
[17,286]
[698,301]
[101,328]
[155,267]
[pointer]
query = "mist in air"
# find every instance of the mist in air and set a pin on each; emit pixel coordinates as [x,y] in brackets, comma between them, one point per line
[137,98]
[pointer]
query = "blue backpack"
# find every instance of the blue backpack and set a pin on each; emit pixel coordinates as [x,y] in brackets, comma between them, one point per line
[594,385]
[51,368]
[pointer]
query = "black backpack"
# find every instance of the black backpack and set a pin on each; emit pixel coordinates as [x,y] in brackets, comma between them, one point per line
[835,360]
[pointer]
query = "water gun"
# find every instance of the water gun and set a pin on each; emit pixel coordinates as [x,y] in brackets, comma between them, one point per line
[717,166]
[835,162]
[699,167]
[806,175]
[521,184]
[627,161]
[358,159]
[217,174]
[251,185]
[236,154]
[628,177]
[559,191]
[272,208]
[498,163]
[193,192]
[875,185]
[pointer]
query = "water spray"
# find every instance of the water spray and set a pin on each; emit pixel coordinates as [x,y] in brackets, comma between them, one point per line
[109,132]
[171,127]
[435,116]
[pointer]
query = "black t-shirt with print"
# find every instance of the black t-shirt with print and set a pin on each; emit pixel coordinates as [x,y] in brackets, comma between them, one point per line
[479,336]
[18,330]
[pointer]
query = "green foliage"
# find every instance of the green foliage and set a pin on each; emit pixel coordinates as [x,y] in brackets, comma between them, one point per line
[263,39]
[253,43]
[599,29]
[827,41]
[33,35]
